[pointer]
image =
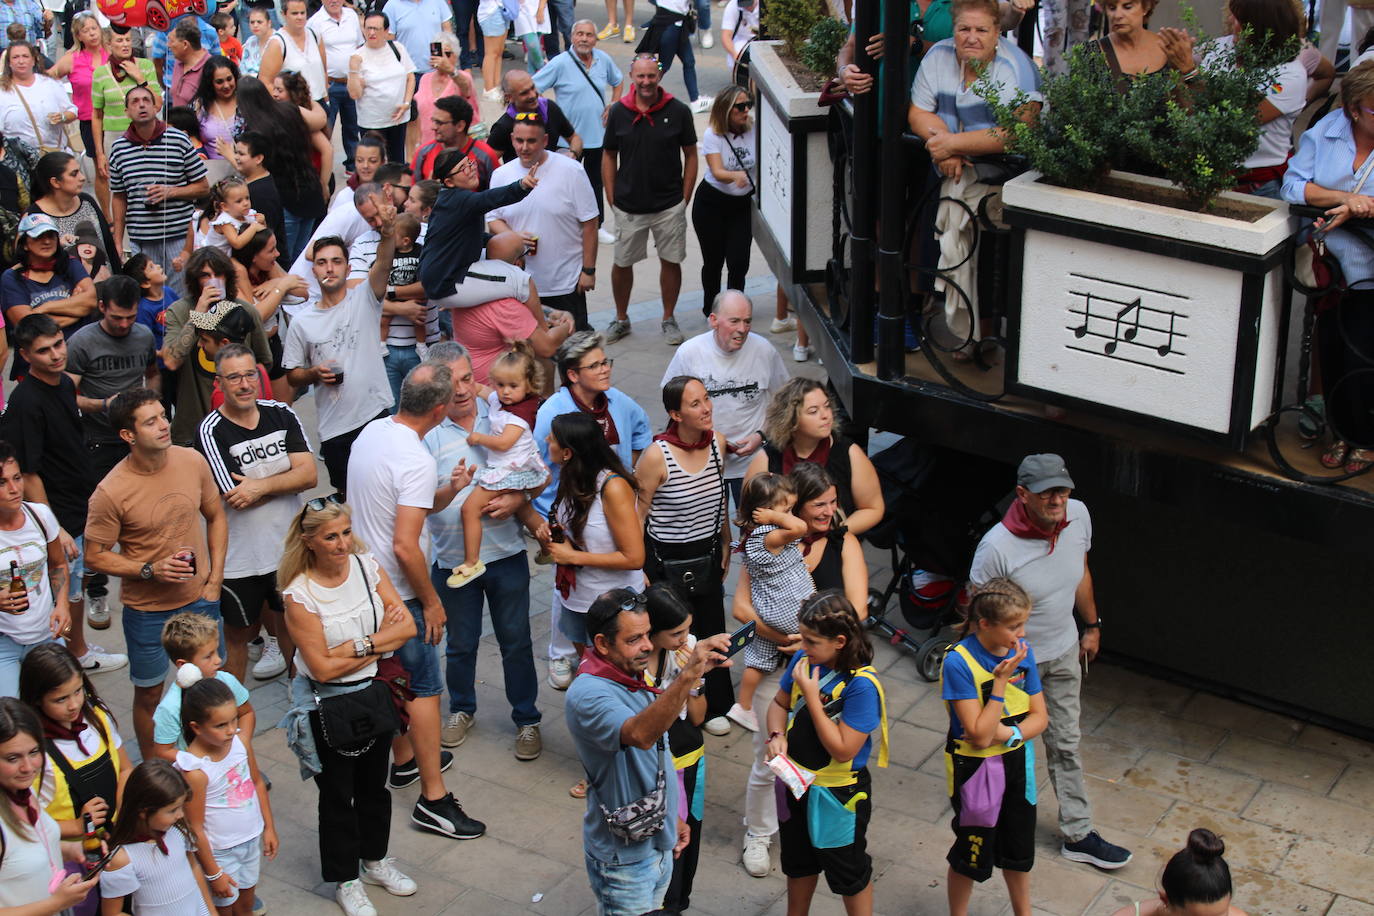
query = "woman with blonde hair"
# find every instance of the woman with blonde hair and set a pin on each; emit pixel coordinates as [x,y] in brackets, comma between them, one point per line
[79,65]
[444,78]
[344,614]
[720,209]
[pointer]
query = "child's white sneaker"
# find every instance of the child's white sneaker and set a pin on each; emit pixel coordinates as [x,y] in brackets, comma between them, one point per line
[742,717]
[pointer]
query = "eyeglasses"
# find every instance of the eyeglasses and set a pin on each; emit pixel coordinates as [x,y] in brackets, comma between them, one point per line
[320,502]
[742,106]
[237,377]
[606,363]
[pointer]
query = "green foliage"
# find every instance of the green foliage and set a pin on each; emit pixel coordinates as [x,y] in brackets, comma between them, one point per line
[792,21]
[823,46]
[1197,133]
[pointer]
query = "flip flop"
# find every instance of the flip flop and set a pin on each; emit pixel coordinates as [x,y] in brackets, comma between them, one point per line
[462,575]
[579,789]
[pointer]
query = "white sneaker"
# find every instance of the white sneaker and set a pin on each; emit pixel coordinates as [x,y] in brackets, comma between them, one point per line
[385,874]
[708,40]
[756,859]
[272,662]
[492,95]
[744,717]
[352,899]
[800,354]
[98,613]
[97,659]
[560,673]
[605,236]
[783,325]
[701,105]
[255,649]
[717,726]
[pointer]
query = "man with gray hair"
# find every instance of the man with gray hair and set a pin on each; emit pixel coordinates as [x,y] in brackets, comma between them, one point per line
[391,480]
[740,370]
[506,583]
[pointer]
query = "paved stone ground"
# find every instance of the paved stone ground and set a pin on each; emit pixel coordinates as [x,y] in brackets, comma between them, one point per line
[1294,802]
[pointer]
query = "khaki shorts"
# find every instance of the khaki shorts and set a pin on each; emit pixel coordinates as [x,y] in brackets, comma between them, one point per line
[632,235]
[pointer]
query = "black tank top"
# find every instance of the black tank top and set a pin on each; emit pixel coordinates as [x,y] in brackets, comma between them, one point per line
[837,464]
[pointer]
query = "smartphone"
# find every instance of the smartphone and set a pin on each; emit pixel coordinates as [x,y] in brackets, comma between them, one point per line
[436,49]
[740,638]
[96,867]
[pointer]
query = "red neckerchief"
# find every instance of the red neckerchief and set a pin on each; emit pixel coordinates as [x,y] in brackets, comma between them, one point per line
[596,666]
[58,732]
[37,263]
[159,128]
[628,100]
[22,800]
[1019,523]
[810,538]
[564,579]
[670,436]
[525,409]
[820,455]
[600,410]
[156,838]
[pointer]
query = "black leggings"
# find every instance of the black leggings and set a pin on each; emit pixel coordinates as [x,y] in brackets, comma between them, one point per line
[722,225]
[591,163]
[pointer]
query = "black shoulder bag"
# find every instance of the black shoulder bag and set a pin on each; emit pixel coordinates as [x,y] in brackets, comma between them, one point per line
[351,722]
[692,576]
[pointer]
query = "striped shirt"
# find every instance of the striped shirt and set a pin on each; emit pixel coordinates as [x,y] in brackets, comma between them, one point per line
[687,507]
[169,159]
[939,86]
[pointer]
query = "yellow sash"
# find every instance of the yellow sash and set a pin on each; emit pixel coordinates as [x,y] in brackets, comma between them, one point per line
[835,773]
[1014,710]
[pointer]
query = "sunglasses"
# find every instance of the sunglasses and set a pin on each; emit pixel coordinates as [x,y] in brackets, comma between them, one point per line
[528,116]
[320,502]
[632,602]
[743,106]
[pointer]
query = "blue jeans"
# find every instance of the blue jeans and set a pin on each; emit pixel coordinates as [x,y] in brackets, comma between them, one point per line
[419,658]
[506,587]
[12,656]
[631,889]
[298,232]
[703,15]
[338,104]
[464,14]
[563,17]
[675,44]
[143,639]
[398,361]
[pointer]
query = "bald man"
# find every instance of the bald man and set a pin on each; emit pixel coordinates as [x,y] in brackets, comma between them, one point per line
[521,94]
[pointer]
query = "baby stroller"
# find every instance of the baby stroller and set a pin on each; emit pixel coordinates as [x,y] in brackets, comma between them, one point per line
[939,504]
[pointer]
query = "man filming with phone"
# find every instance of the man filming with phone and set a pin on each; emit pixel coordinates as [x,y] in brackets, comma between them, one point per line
[628,832]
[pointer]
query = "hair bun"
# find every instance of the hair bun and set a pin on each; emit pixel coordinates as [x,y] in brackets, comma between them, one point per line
[1205,846]
[187,675]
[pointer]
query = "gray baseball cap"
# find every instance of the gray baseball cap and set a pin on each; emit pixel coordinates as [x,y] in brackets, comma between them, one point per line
[1039,473]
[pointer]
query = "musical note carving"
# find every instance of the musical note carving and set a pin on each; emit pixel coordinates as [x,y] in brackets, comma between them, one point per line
[1129,329]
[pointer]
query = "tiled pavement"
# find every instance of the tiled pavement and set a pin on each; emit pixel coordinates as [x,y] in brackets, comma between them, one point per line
[1294,802]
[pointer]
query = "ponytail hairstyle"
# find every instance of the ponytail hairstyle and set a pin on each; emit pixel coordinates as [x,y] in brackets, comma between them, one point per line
[997,601]
[152,785]
[667,610]
[830,614]
[47,668]
[521,359]
[17,718]
[219,191]
[763,491]
[200,695]
[1197,873]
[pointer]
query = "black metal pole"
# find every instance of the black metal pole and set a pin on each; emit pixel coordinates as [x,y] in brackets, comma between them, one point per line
[864,175]
[892,194]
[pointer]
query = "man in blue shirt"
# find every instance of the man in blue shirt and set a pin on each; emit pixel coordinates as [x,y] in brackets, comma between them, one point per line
[506,583]
[587,83]
[29,13]
[611,711]
[586,373]
[415,22]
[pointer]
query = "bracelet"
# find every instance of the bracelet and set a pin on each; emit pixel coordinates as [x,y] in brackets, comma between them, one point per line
[371,649]
[216,876]
[1190,75]
[996,699]
[772,735]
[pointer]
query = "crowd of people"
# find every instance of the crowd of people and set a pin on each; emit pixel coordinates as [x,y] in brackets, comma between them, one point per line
[431,300]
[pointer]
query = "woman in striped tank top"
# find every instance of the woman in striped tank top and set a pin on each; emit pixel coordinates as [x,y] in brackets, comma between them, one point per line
[683,500]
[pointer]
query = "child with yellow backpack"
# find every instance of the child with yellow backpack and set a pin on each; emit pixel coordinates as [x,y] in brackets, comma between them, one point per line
[821,721]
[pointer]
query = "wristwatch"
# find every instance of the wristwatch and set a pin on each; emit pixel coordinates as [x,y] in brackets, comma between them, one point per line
[359,647]
[589,271]
[146,572]
[1016,740]
[1095,625]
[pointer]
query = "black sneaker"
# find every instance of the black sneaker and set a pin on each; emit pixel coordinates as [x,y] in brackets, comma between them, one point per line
[1096,851]
[446,818]
[408,774]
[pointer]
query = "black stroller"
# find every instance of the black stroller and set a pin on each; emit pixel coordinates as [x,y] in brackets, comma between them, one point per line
[939,504]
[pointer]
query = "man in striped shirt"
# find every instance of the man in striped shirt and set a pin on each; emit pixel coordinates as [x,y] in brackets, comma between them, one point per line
[155,175]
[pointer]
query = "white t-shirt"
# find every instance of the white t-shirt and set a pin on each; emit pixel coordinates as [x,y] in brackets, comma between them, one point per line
[28,546]
[527,23]
[347,333]
[346,611]
[162,885]
[1288,93]
[232,813]
[740,24]
[44,97]
[389,466]
[341,38]
[736,154]
[740,385]
[29,862]
[1051,579]
[343,220]
[555,211]
[384,85]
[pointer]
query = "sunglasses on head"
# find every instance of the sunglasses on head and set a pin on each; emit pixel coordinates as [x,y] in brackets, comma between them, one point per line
[632,602]
[320,502]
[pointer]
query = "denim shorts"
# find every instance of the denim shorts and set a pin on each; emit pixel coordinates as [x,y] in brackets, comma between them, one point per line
[631,889]
[420,659]
[493,25]
[143,639]
[242,863]
[573,624]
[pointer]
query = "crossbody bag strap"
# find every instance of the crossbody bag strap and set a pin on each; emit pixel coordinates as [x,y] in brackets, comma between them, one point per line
[39,134]
[38,523]
[724,493]
[740,162]
[586,74]
[376,624]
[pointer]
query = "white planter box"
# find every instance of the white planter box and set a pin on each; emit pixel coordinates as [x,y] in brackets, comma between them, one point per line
[792,220]
[1143,310]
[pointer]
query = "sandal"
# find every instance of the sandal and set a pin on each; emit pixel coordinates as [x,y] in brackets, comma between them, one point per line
[462,575]
[579,789]
[1335,456]
[1359,460]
